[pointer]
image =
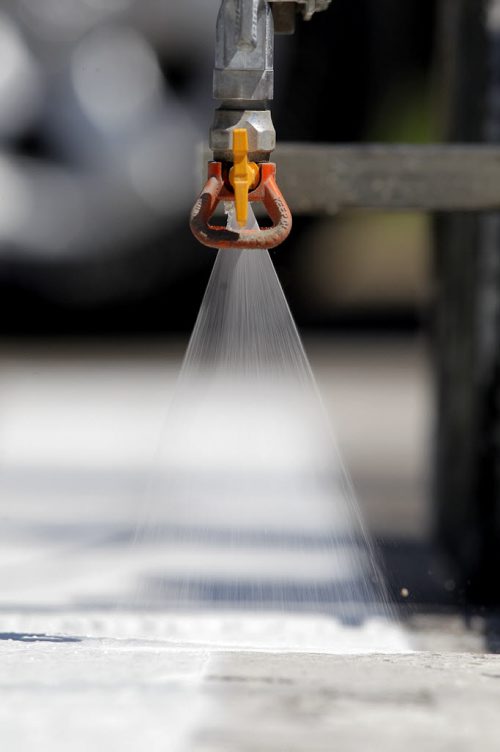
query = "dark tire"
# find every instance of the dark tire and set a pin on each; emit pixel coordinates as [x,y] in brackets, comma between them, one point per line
[467,331]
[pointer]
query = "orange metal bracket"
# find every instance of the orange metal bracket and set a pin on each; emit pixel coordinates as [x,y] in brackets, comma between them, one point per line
[267,192]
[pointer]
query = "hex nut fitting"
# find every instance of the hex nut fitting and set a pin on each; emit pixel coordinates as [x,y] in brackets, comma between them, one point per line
[260,128]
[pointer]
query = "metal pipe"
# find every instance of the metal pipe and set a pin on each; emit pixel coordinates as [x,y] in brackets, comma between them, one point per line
[244,71]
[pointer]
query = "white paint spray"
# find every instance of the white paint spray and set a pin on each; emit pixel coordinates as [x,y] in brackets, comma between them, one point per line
[250,503]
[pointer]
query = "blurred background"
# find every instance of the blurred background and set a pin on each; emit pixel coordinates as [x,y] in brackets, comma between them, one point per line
[103,105]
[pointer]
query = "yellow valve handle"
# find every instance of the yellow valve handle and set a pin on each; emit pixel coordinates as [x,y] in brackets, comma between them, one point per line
[244,176]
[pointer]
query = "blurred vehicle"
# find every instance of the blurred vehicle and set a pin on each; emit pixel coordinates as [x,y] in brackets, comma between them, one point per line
[102,106]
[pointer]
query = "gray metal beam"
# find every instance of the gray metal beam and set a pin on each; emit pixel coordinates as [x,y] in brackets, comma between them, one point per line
[320,180]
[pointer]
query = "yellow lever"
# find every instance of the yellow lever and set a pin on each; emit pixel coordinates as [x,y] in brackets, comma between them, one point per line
[244,176]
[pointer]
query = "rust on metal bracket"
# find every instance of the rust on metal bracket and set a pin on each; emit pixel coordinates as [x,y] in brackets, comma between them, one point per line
[267,192]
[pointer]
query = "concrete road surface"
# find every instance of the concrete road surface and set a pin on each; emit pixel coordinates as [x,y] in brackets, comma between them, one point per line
[77,693]
[77,673]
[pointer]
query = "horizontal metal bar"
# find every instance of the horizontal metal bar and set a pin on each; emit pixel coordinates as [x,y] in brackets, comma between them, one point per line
[323,179]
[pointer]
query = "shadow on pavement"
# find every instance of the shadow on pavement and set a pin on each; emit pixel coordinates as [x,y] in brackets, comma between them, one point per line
[27,637]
